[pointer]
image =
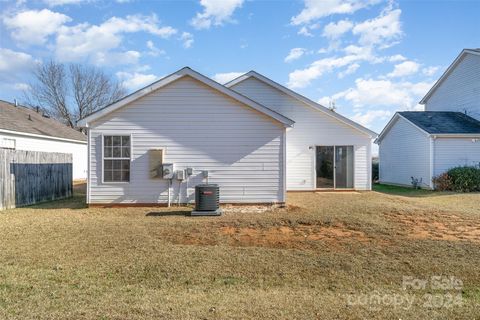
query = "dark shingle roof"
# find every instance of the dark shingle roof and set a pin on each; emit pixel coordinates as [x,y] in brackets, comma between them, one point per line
[439,122]
[26,120]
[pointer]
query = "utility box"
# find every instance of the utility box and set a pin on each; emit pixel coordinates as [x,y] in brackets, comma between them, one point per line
[180,175]
[167,171]
[155,157]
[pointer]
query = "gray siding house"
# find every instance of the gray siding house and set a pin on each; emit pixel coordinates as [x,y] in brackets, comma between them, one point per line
[424,144]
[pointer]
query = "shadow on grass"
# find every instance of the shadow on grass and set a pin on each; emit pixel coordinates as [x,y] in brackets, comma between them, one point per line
[168,213]
[408,192]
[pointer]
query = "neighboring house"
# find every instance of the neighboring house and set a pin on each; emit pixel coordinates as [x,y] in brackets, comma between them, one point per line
[22,128]
[458,89]
[216,134]
[424,144]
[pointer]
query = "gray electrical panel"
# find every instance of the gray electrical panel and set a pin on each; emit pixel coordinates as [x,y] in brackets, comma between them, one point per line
[205,173]
[167,170]
[189,171]
[180,175]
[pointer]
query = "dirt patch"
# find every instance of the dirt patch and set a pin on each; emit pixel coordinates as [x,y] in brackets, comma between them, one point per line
[439,226]
[282,237]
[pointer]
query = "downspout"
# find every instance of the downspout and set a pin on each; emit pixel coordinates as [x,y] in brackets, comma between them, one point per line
[88,164]
[432,160]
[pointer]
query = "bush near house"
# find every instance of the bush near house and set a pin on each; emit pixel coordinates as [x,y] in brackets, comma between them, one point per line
[459,179]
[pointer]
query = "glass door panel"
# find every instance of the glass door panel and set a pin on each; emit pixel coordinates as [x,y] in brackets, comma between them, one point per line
[344,167]
[324,167]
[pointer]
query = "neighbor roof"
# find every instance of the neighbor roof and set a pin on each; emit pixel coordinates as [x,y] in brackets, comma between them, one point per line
[448,71]
[23,120]
[301,98]
[443,122]
[186,71]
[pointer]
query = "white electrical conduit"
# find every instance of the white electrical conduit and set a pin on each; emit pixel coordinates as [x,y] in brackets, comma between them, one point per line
[169,185]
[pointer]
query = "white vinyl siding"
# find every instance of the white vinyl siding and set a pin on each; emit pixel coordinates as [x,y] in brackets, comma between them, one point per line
[453,152]
[78,150]
[460,90]
[311,128]
[404,152]
[197,127]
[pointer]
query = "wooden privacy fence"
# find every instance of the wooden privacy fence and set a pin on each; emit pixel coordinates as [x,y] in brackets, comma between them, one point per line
[28,177]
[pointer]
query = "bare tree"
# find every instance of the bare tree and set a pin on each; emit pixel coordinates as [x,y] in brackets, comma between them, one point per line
[69,93]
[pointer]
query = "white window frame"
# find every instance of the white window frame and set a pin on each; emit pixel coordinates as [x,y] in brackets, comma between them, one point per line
[103,157]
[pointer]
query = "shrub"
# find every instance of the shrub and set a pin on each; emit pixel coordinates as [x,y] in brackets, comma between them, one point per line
[465,179]
[460,179]
[443,182]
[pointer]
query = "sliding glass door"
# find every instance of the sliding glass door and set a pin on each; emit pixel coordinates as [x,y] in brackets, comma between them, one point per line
[324,167]
[334,167]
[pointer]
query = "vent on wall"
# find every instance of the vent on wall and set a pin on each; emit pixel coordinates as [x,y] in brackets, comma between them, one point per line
[155,157]
[7,143]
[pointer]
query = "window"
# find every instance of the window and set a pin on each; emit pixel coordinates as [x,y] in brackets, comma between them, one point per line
[116,158]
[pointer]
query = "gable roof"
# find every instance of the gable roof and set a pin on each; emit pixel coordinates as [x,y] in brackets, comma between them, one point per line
[186,71]
[303,99]
[22,120]
[448,71]
[440,123]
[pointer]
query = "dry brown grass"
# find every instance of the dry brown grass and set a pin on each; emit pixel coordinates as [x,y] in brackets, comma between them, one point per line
[63,260]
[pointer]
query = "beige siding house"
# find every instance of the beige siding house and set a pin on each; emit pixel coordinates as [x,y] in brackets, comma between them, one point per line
[242,140]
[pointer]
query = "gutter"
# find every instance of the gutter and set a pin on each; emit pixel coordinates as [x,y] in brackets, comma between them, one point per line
[42,136]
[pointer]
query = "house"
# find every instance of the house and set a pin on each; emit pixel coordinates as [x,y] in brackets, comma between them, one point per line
[324,149]
[202,131]
[22,128]
[424,144]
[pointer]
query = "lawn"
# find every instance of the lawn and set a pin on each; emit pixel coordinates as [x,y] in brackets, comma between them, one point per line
[325,256]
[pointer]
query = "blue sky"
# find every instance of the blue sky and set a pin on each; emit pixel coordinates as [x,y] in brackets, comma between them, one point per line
[370,57]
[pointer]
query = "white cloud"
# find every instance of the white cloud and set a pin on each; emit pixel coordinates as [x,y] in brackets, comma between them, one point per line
[53,3]
[20,86]
[382,30]
[187,39]
[215,12]
[315,9]
[367,118]
[403,69]
[370,92]
[396,58]
[154,51]
[226,77]
[430,71]
[136,80]
[295,54]
[33,27]
[14,68]
[96,42]
[335,30]
[305,32]
[12,62]
[350,70]
[302,77]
